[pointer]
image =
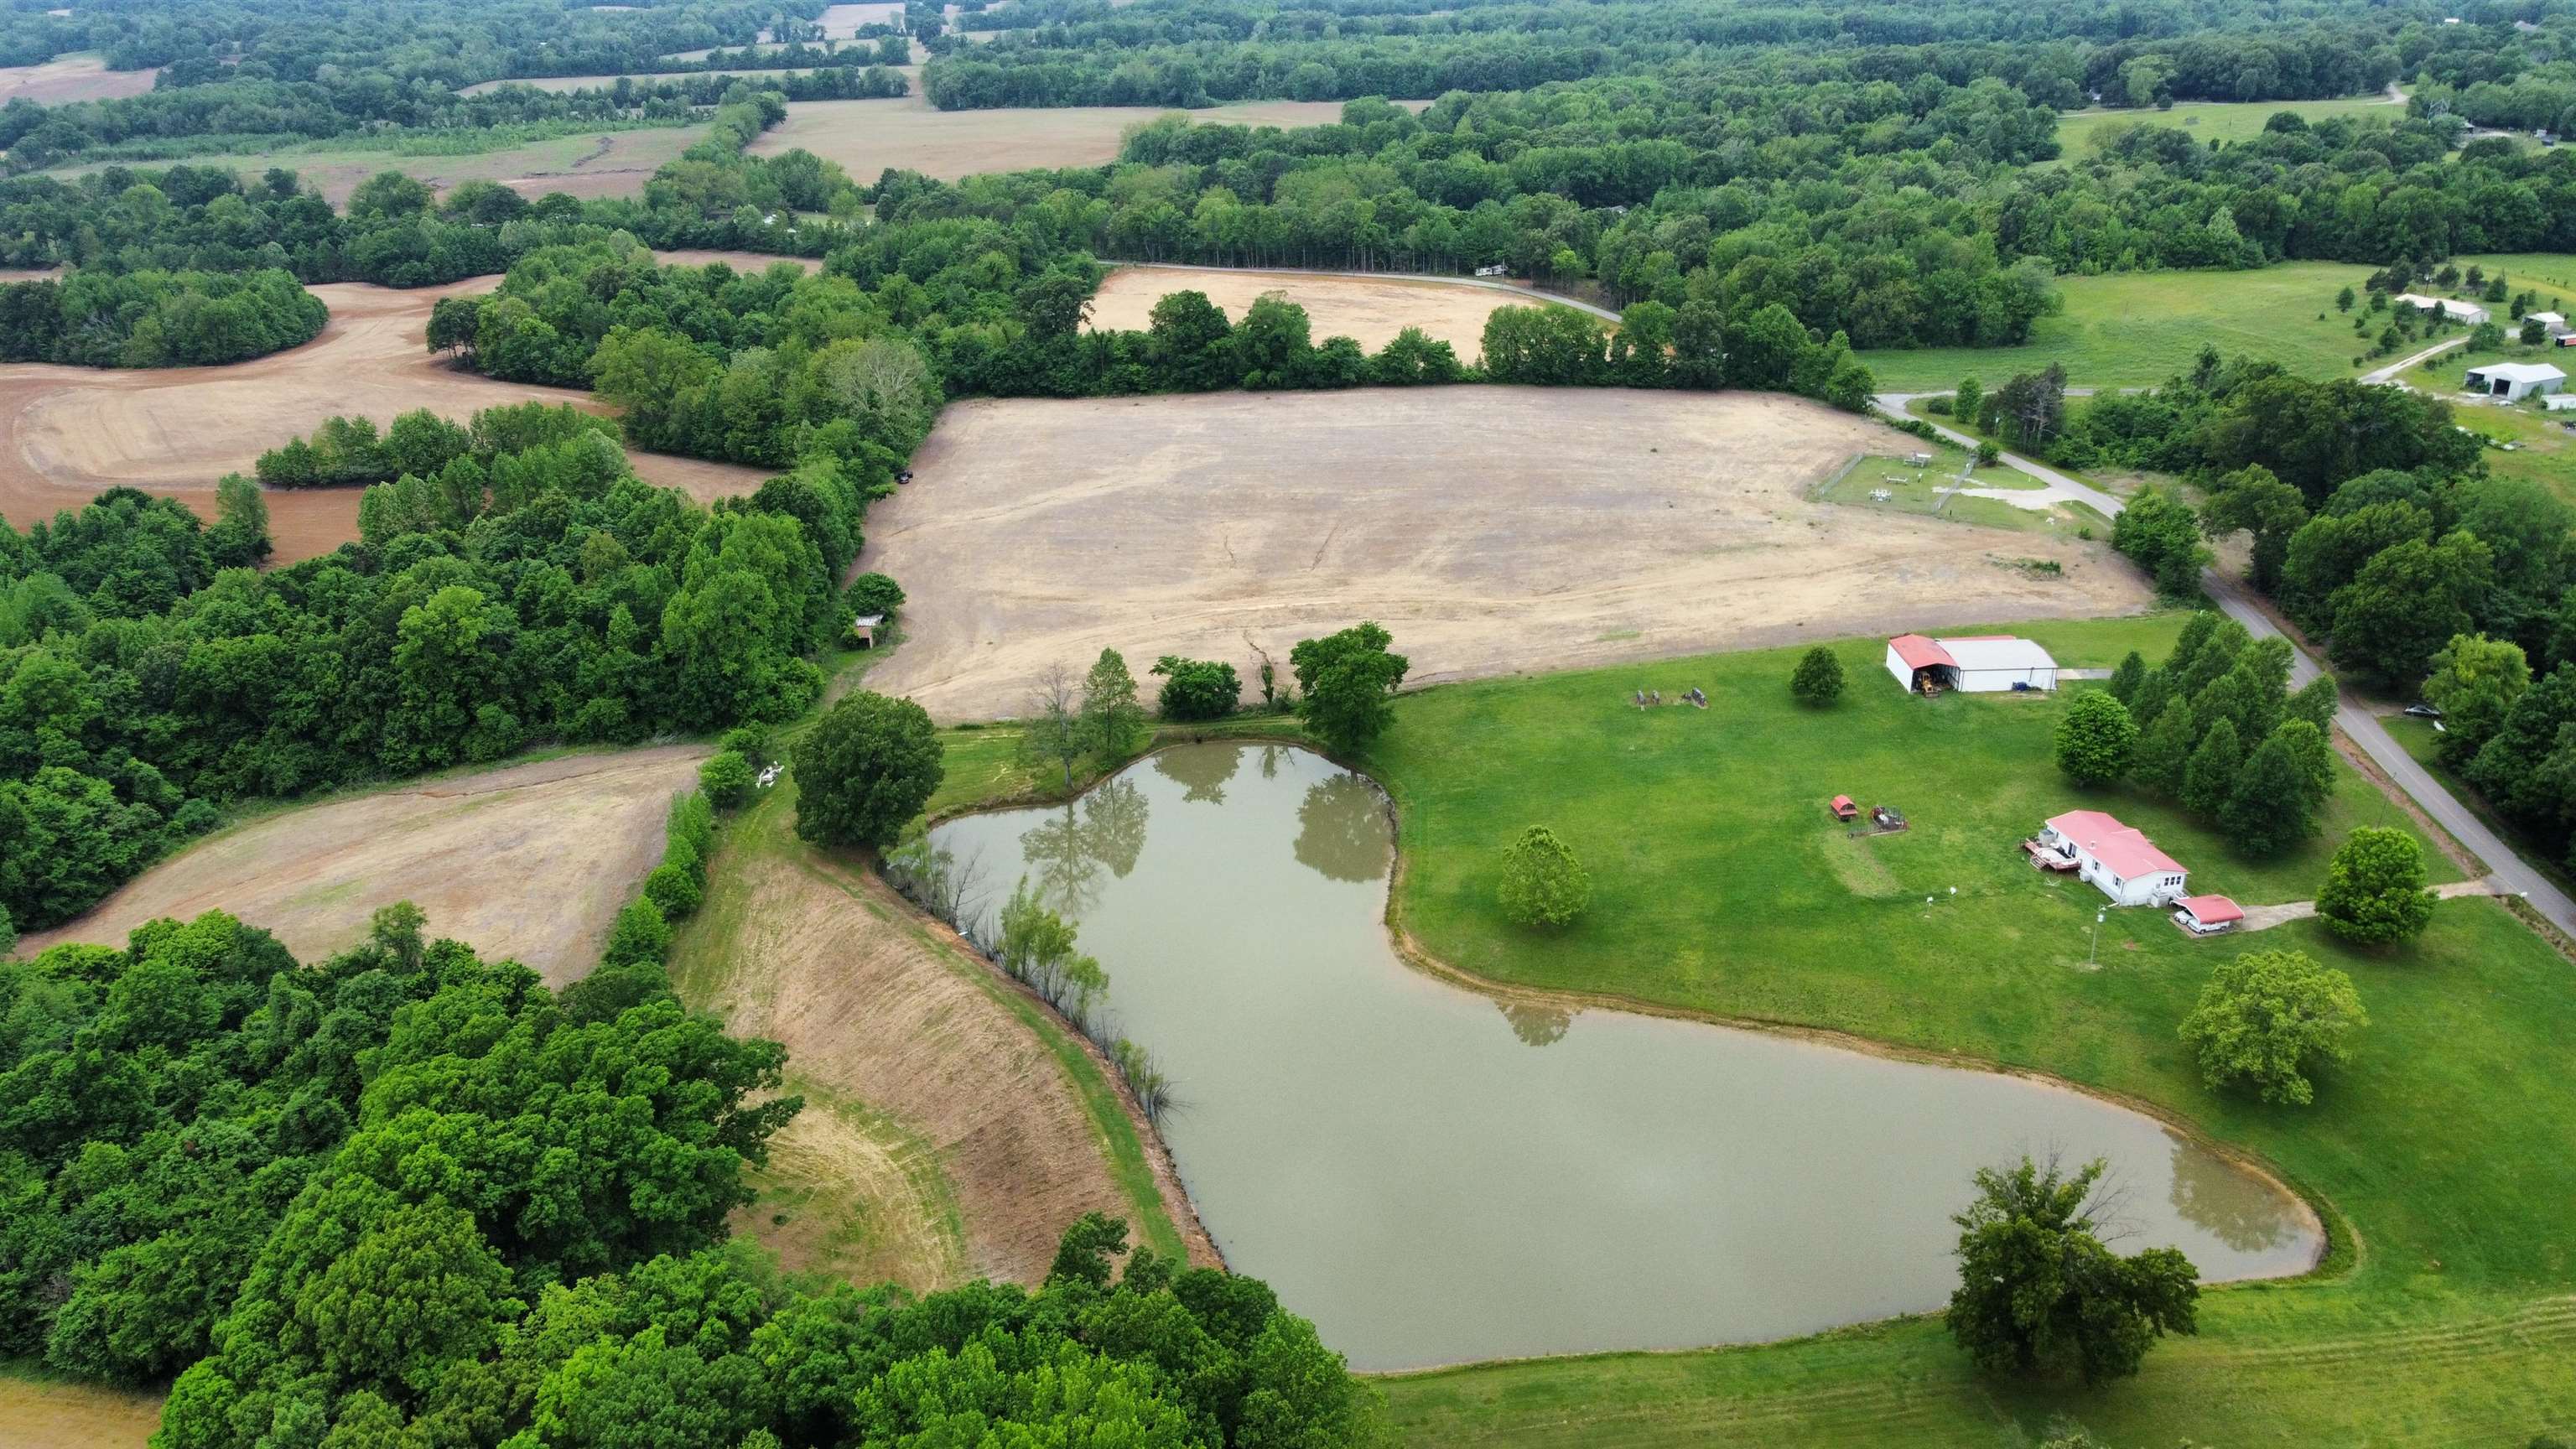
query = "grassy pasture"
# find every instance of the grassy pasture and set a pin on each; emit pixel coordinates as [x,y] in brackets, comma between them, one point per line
[1721,886]
[2136,329]
[2205,122]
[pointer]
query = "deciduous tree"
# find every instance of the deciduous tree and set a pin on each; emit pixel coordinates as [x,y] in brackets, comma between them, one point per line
[2096,739]
[864,770]
[2374,888]
[2267,1018]
[2040,1295]
[1818,679]
[1543,884]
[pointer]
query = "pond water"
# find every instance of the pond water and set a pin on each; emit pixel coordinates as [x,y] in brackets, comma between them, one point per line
[1435,1177]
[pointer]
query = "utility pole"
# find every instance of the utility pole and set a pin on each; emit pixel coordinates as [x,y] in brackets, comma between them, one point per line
[2095,953]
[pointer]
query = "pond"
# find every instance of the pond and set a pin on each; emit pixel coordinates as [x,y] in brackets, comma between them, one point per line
[1436,1177]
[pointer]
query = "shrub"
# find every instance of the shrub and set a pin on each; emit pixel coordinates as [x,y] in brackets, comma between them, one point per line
[865,771]
[2267,1016]
[674,890]
[874,594]
[640,936]
[727,778]
[1195,689]
[2374,891]
[1818,680]
[2096,739]
[1988,455]
[1543,884]
[750,741]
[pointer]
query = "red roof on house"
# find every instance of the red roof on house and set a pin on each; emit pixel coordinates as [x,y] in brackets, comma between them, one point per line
[2127,851]
[1919,652]
[2210,910]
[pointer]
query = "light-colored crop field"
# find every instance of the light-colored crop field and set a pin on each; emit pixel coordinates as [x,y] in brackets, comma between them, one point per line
[1368,310]
[1493,529]
[82,76]
[2137,329]
[908,133]
[67,433]
[530,861]
[2207,121]
[609,163]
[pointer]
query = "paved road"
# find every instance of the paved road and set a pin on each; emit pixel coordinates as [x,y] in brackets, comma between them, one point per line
[2507,872]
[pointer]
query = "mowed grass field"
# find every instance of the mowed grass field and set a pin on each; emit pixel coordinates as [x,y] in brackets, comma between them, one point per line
[2136,329]
[2211,121]
[2443,1153]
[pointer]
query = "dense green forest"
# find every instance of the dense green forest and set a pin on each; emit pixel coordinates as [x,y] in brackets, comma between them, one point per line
[156,319]
[410,1196]
[528,587]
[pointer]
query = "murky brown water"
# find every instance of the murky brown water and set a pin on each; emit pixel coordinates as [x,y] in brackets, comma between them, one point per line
[1436,1179]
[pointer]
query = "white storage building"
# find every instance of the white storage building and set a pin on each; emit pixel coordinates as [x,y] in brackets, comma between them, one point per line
[1973,664]
[2514,381]
[2468,312]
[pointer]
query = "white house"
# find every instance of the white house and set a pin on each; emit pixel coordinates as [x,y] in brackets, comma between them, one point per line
[1973,664]
[2456,311]
[2514,381]
[2120,861]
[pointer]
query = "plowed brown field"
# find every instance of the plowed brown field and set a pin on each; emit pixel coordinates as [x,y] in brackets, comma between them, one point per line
[1492,529]
[530,861]
[66,433]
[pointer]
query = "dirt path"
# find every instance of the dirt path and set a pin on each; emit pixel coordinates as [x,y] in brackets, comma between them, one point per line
[45,1414]
[877,1008]
[1490,529]
[529,861]
[67,433]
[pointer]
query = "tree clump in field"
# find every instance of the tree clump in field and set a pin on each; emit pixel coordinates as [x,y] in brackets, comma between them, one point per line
[1543,884]
[2475,683]
[1346,685]
[1818,679]
[2220,732]
[2040,1295]
[865,770]
[1196,689]
[2374,889]
[2095,739]
[2268,1018]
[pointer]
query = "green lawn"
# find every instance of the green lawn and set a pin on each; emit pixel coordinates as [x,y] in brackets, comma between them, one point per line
[2547,272]
[2137,329]
[2207,121]
[1721,886]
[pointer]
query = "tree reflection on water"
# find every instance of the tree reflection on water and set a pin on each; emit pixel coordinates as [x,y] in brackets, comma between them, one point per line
[1342,830]
[1534,1024]
[1068,852]
[2210,1193]
[1201,773]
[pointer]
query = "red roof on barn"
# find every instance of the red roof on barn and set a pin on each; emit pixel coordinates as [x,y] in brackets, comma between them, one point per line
[2127,851]
[2211,910]
[1919,652]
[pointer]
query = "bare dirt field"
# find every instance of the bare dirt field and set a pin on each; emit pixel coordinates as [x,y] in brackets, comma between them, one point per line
[1491,529]
[974,1147]
[82,77]
[42,1414]
[867,137]
[528,861]
[609,163]
[66,433]
[1369,311]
